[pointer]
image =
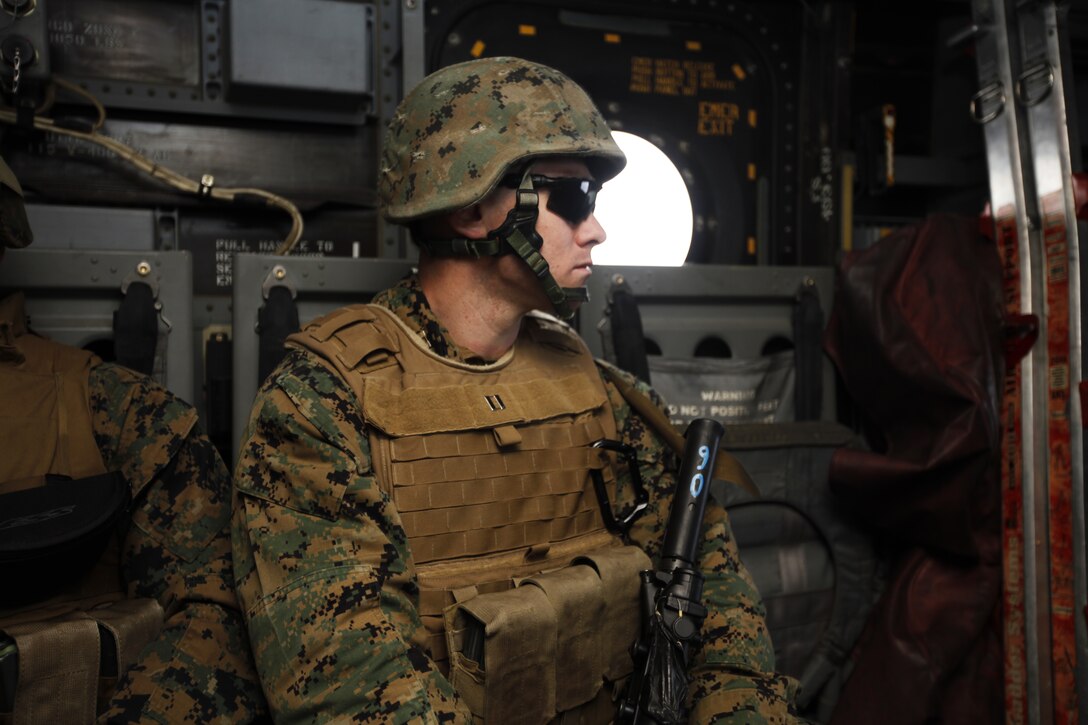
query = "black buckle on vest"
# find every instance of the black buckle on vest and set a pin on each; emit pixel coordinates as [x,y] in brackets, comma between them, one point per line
[621,523]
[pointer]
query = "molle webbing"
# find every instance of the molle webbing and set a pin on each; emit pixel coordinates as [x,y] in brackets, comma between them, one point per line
[69,663]
[478,459]
[484,459]
[467,404]
[474,498]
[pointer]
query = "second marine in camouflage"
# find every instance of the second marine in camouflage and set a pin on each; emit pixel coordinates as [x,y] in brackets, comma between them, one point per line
[68,417]
[422,464]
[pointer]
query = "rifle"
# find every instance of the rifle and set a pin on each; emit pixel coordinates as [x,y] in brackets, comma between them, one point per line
[670,596]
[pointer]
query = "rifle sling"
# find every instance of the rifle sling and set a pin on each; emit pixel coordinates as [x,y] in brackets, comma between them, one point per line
[727,468]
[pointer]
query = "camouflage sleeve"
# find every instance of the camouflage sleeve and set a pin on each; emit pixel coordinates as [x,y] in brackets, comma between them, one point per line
[177,550]
[322,564]
[733,671]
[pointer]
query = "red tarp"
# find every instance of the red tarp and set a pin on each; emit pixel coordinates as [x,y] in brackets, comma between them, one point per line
[916,334]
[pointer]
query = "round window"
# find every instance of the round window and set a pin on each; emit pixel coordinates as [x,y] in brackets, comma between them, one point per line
[645,211]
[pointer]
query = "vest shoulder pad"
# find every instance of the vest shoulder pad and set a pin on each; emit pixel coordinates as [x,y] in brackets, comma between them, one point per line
[348,336]
[324,327]
[39,353]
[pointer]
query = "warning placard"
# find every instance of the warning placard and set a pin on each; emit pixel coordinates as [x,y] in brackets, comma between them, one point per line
[760,390]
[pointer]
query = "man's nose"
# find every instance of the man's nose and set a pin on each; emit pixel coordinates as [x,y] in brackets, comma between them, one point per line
[591,232]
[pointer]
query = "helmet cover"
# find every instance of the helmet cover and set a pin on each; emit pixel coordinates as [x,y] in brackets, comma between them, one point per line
[466,126]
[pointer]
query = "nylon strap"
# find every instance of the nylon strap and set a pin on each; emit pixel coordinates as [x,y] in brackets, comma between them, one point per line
[494,514]
[443,445]
[461,247]
[412,499]
[413,411]
[512,235]
[726,469]
[494,465]
[560,297]
[503,538]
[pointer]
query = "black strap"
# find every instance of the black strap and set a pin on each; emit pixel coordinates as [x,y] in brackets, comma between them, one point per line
[276,319]
[517,234]
[136,329]
[461,247]
[628,341]
[808,325]
[218,388]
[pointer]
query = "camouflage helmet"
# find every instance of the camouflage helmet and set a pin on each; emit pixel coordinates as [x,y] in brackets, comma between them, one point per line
[14,227]
[466,126]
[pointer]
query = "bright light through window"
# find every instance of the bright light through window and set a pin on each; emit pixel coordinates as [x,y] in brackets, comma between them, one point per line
[646,210]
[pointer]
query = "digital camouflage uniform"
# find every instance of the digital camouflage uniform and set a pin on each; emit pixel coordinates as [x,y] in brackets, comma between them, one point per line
[326,579]
[176,550]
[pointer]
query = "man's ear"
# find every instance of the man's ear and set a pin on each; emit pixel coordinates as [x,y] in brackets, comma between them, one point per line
[469,223]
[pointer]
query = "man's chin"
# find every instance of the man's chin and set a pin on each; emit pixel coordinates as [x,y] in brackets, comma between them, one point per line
[569,308]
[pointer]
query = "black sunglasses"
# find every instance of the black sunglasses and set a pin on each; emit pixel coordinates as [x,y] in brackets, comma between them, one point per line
[571,198]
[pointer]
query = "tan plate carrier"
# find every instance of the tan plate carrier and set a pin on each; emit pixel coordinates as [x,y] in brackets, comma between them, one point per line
[488,467]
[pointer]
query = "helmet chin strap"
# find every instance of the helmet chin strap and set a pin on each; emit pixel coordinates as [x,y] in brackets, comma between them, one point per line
[518,235]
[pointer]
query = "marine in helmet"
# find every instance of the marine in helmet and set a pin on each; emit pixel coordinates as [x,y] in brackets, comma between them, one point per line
[463,135]
[137,569]
[416,533]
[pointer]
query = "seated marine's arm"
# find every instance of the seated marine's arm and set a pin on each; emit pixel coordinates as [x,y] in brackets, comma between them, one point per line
[176,550]
[321,559]
[733,670]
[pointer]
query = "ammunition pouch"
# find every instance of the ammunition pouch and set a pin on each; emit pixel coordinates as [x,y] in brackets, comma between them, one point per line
[63,667]
[67,632]
[561,639]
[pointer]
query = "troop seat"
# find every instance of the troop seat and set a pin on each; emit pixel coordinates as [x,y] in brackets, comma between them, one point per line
[746,315]
[723,342]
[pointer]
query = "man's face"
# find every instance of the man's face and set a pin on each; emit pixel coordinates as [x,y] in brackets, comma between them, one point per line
[567,245]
